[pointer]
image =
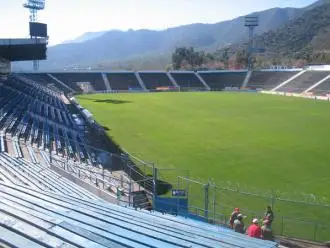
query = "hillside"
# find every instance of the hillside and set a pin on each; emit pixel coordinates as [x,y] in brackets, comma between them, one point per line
[305,39]
[295,39]
[114,46]
[85,37]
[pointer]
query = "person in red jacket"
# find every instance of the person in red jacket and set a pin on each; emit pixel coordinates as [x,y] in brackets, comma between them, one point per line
[254,230]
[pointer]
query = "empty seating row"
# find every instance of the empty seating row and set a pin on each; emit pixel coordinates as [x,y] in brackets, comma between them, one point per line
[267,80]
[216,80]
[46,80]
[154,80]
[322,89]
[123,81]
[31,217]
[43,121]
[39,177]
[187,80]
[304,81]
[76,80]
[221,80]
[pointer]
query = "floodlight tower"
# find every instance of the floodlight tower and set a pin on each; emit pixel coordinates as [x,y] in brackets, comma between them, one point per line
[251,22]
[34,6]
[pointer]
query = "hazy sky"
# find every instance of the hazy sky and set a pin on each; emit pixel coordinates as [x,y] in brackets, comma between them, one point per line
[68,19]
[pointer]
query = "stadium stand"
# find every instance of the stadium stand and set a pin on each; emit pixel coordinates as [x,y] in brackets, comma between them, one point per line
[267,80]
[187,80]
[153,80]
[72,80]
[220,80]
[304,81]
[39,177]
[38,116]
[123,81]
[45,80]
[31,218]
[322,89]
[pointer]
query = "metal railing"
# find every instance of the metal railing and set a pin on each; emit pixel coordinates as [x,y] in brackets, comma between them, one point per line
[133,177]
[293,218]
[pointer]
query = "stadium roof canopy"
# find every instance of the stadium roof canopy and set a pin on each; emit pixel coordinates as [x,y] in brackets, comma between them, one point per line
[23,49]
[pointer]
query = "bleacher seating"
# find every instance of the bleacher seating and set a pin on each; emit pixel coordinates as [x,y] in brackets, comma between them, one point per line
[32,114]
[45,80]
[267,80]
[187,80]
[304,81]
[31,218]
[123,81]
[222,79]
[152,80]
[322,89]
[39,177]
[71,79]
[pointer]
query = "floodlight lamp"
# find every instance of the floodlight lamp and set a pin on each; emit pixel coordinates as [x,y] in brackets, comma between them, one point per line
[35,4]
[251,21]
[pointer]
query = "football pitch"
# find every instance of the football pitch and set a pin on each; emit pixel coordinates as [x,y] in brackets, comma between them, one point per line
[258,142]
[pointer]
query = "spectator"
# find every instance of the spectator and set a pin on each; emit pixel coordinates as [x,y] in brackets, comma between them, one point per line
[239,224]
[269,215]
[233,217]
[254,229]
[266,231]
[149,205]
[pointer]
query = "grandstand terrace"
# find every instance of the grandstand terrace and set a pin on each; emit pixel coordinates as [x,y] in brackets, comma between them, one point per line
[39,177]
[45,80]
[36,125]
[76,80]
[187,80]
[33,218]
[304,81]
[39,117]
[154,80]
[123,81]
[322,89]
[268,80]
[219,80]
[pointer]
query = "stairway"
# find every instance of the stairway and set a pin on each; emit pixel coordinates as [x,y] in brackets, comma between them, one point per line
[106,82]
[203,82]
[173,80]
[60,82]
[140,81]
[140,200]
[247,79]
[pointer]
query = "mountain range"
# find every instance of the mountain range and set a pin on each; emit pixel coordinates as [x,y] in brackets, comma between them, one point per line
[85,37]
[118,49]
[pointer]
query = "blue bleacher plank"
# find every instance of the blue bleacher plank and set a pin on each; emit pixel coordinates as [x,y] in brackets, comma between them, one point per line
[15,240]
[37,211]
[90,235]
[88,218]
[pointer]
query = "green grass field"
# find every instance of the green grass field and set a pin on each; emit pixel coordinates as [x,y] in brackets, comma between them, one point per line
[256,141]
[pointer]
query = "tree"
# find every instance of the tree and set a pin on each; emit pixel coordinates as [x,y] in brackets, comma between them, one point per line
[241,58]
[168,67]
[189,58]
[225,58]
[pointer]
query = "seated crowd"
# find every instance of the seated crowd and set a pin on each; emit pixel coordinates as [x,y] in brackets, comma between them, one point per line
[254,230]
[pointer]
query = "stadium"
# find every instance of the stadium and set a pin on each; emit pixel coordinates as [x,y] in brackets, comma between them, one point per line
[160,158]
